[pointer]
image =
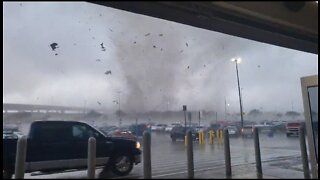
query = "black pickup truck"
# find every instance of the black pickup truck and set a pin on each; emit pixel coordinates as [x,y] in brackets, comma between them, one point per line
[61,145]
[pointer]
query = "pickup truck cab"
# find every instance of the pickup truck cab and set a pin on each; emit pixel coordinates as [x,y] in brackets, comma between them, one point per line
[61,145]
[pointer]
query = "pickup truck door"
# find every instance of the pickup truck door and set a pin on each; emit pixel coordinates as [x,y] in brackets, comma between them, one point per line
[80,135]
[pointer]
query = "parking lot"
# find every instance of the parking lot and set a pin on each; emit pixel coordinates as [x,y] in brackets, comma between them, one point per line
[169,159]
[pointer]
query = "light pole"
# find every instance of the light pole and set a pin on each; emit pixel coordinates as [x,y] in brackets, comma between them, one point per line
[238,60]
[119,110]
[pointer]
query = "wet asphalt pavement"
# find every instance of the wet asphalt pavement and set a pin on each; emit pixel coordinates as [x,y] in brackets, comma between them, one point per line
[169,159]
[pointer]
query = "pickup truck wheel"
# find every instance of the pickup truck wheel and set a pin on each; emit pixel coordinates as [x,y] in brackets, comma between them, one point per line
[121,164]
[7,174]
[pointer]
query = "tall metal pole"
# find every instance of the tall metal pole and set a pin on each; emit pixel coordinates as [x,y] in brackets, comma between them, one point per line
[241,115]
[119,110]
[225,108]
[185,118]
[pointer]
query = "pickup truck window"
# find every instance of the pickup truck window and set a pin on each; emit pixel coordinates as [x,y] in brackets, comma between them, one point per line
[83,132]
[49,133]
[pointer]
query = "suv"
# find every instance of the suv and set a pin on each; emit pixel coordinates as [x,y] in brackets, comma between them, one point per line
[179,132]
[292,128]
[247,131]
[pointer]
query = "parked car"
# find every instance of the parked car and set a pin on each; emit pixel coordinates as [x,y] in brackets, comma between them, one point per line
[233,131]
[123,133]
[215,127]
[179,132]
[160,127]
[292,128]
[61,145]
[107,129]
[247,131]
[138,129]
[169,128]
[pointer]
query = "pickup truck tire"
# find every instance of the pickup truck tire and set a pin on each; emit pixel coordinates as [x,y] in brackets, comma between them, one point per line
[121,164]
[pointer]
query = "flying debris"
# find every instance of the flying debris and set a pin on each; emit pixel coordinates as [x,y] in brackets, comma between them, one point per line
[188,67]
[161,49]
[54,46]
[107,72]
[258,66]
[147,34]
[100,14]
[181,51]
[204,65]
[154,46]
[135,42]
[99,102]
[103,48]
[110,30]
[56,54]
[74,44]
[98,60]
[93,37]
[187,44]
[160,34]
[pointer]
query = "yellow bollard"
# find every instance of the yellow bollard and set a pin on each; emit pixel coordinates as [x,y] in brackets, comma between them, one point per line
[221,134]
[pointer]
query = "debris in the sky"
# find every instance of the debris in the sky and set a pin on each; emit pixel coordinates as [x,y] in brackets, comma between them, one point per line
[56,54]
[100,14]
[103,48]
[93,37]
[20,4]
[147,34]
[98,60]
[188,67]
[161,49]
[258,66]
[99,102]
[187,44]
[154,46]
[160,34]
[74,44]
[54,46]
[110,30]
[107,72]
[181,51]
[204,65]
[135,42]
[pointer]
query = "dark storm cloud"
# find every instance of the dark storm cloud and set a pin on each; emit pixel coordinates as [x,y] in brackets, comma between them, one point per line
[148,58]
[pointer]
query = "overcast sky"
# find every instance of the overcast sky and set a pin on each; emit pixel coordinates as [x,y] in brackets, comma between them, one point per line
[156,64]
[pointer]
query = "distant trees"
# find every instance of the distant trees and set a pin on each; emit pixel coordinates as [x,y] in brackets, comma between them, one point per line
[254,113]
[121,113]
[292,114]
[93,114]
[279,115]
